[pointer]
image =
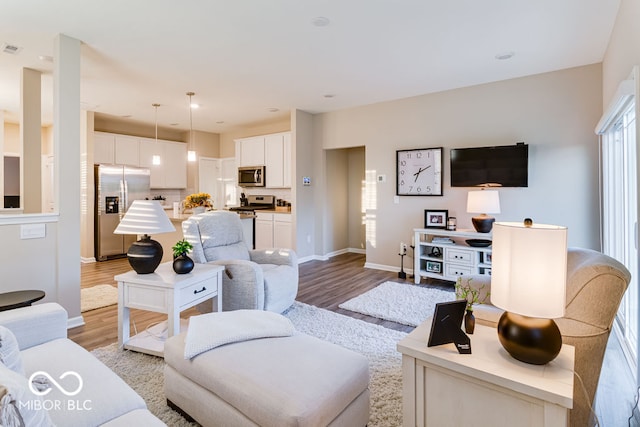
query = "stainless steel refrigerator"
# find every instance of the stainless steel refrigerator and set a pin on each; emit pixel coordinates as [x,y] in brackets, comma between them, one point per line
[116,188]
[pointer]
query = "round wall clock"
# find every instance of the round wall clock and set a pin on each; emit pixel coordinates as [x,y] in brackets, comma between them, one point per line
[419,172]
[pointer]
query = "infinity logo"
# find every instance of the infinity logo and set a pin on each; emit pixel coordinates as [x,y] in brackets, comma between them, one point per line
[46,391]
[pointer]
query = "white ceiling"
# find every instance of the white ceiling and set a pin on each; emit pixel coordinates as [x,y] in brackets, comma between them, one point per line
[245,57]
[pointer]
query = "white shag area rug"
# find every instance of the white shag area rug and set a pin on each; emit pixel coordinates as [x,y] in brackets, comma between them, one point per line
[97,297]
[399,302]
[145,374]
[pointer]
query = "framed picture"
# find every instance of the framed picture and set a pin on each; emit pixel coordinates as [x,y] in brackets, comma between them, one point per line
[434,267]
[446,326]
[435,219]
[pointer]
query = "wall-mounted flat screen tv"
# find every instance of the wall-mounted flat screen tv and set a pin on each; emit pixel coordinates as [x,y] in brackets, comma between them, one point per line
[505,166]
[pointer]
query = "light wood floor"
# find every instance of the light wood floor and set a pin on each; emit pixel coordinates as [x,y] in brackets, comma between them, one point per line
[327,284]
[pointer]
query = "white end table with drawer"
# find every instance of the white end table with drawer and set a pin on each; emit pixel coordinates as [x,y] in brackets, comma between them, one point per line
[443,388]
[163,291]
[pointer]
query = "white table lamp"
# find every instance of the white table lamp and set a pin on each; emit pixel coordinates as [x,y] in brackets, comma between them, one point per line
[145,217]
[483,202]
[528,280]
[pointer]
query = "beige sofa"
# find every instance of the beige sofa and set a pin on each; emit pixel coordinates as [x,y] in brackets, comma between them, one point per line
[82,391]
[595,286]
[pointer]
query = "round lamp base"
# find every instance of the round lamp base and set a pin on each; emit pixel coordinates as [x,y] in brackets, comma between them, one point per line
[145,255]
[529,339]
[483,223]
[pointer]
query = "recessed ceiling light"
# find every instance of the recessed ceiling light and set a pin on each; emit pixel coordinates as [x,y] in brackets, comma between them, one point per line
[220,122]
[126,116]
[273,110]
[320,21]
[174,124]
[10,48]
[45,58]
[505,55]
[329,95]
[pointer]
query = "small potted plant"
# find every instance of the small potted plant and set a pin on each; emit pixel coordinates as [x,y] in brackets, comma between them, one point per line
[465,291]
[182,264]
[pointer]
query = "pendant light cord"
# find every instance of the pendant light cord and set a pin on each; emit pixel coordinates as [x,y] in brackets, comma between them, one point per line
[190,94]
[156,107]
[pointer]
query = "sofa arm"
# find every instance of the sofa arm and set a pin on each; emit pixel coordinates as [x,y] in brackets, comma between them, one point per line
[275,256]
[36,324]
[242,285]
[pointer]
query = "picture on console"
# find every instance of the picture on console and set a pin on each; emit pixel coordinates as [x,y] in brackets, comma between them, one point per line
[435,219]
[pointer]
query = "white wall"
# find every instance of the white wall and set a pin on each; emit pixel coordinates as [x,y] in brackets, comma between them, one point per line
[554,113]
[623,51]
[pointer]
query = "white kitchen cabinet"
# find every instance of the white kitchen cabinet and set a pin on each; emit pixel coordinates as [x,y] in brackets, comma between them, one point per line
[126,150]
[273,230]
[273,151]
[175,165]
[282,231]
[103,148]
[273,158]
[148,149]
[287,160]
[172,170]
[264,230]
[251,151]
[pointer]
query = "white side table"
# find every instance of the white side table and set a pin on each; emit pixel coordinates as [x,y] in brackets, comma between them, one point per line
[163,291]
[486,388]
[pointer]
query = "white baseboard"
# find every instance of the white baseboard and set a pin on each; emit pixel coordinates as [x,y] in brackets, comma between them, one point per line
[326,257]
[87,260]
[387,268]
[74,322]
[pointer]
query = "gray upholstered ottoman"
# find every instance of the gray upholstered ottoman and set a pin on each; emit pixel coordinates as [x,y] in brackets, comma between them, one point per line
[289,381]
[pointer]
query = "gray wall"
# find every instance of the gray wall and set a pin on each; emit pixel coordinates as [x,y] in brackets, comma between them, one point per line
[555,113]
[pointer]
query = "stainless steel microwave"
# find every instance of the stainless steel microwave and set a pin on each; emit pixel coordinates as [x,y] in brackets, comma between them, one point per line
[251,176]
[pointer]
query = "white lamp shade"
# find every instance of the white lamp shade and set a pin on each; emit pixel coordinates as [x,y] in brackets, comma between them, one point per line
[483,201]
[529,269]
[145,217]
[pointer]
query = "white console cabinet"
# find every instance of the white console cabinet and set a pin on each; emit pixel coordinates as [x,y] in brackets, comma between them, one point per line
[448,261]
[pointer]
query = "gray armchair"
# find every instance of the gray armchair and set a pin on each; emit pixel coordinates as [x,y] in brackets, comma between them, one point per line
[253,279]
[595,286]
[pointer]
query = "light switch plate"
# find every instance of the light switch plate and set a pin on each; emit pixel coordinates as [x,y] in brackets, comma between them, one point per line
[33,231]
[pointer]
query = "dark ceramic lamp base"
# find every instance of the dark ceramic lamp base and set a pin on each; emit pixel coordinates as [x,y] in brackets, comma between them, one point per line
[483,223]
[145,255]
[529,339]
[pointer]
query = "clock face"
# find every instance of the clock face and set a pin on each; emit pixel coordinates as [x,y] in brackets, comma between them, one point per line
[419,172]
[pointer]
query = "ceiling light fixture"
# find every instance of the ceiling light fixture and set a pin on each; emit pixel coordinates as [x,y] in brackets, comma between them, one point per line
[11,49]
[156,158]
[191,154]
[505,55]
[273,110]
[320,21]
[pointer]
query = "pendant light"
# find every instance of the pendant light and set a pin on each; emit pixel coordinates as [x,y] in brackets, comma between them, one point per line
[191,153]
[156,158]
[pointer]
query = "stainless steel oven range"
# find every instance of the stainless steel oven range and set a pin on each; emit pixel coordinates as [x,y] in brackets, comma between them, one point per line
[248,214]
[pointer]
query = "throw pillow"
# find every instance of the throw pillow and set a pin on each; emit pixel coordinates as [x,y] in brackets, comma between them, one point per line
[9,351]
[18,405]
[212,330]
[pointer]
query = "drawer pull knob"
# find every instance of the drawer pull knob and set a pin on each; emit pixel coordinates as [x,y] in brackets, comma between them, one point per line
[195,291]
